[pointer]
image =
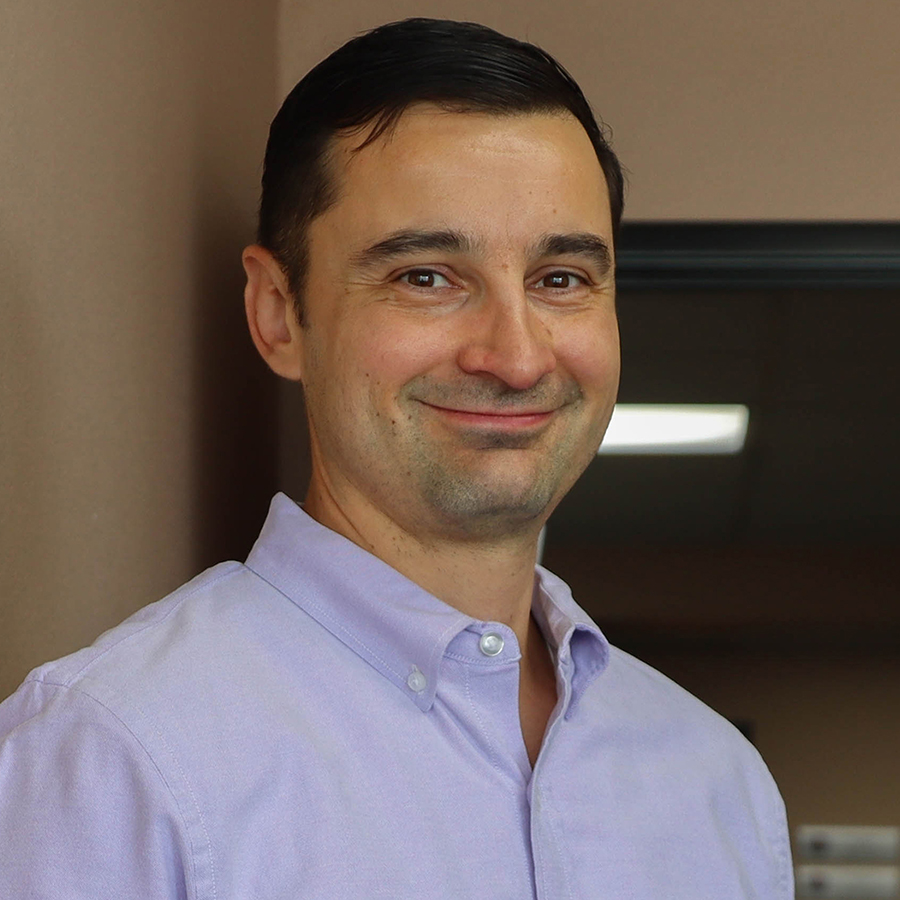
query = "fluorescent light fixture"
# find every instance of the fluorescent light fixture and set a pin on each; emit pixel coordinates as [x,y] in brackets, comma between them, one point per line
[661,429]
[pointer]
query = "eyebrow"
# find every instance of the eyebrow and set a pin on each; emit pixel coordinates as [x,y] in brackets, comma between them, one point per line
[578,244]
[449,240]
[401,243]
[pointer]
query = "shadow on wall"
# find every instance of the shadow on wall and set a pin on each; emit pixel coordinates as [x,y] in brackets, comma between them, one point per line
[235,422]
[234,429]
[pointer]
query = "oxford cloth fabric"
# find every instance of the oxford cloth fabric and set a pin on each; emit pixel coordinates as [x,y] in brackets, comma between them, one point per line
[311,724]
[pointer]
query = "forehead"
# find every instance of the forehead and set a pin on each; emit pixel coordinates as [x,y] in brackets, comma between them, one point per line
[477,172]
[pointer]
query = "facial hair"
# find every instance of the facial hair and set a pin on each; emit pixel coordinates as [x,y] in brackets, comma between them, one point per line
[480,505]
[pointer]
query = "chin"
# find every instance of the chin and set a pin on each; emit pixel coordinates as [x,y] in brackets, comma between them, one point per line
[477,509]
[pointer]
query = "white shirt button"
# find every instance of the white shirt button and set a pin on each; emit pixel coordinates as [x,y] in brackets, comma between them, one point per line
[416,681]
[490,644]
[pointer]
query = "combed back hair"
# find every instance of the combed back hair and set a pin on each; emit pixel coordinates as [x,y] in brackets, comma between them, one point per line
[369,82]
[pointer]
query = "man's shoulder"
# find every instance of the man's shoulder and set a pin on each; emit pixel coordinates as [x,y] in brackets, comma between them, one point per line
[633,697]
[180,613]
[651,683]
[652,702]
[653,694]
[160,654]
[110,737]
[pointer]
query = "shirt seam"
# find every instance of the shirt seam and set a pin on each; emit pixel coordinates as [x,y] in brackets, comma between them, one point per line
[484,663]
[68,681]
[474,707]
[556,844]
[330,618]
[440,647]
[155,766]
[780,828]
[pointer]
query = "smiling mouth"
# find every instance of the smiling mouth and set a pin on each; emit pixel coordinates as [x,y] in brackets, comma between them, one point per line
[505,419]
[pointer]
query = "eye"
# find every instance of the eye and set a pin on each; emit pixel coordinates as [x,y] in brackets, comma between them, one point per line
[561,280]
[424,278]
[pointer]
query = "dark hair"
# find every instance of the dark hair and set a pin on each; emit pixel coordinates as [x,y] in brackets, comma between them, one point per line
[370,81]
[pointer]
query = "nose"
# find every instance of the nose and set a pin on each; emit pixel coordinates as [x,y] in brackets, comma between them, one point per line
[508,339]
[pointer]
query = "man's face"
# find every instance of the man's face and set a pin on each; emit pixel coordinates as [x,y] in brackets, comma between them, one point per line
[460,350]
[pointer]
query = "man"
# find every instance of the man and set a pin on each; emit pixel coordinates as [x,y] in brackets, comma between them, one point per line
[387,699]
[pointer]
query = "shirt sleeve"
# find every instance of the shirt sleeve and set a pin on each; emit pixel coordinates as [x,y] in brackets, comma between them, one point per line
[84,812]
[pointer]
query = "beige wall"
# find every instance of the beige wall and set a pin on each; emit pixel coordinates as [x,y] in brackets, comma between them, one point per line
[130,140]
[779,109]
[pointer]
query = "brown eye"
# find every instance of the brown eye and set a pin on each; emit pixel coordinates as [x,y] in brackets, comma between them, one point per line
[561,280]
[424,278]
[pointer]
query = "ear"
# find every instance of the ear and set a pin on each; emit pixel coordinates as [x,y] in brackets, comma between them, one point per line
[270,313]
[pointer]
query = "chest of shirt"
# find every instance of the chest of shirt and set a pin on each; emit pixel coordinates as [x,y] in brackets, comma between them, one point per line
[340,787]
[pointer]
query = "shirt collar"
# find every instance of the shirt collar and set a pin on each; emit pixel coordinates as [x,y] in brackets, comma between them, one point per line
[389,621]
[581,648]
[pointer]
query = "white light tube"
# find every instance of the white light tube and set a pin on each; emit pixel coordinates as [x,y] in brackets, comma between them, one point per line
[662,429]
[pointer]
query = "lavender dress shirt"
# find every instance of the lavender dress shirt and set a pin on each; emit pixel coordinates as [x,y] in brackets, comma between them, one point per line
[311,724]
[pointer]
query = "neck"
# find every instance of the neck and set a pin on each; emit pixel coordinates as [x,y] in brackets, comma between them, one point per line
[488,579]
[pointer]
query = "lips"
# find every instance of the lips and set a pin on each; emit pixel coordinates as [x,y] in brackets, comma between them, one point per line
[483,404]
[506,418]
[502,413]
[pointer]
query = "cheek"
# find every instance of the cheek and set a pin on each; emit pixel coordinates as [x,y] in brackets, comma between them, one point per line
[591,357]
[388,353]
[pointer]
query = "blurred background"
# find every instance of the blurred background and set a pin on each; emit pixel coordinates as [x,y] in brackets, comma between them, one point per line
[141,438]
